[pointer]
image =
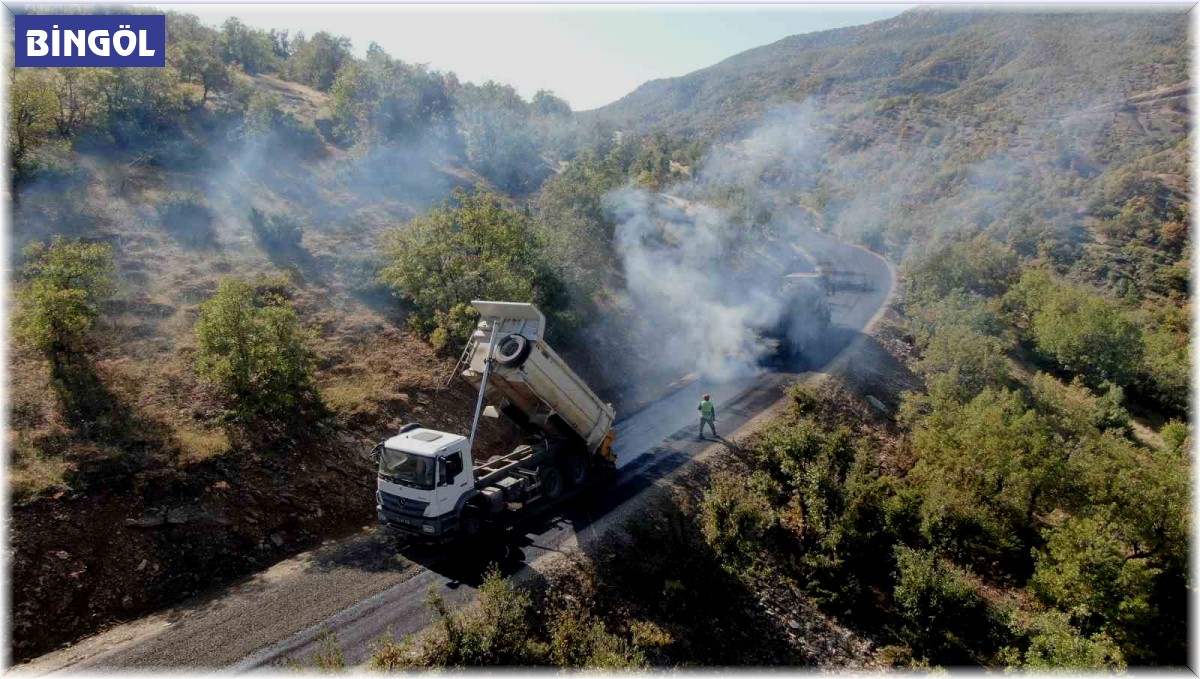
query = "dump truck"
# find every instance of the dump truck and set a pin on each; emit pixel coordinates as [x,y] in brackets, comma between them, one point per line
[431,483]
[803,321]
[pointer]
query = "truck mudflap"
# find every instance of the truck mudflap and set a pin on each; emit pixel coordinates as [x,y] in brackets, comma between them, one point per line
[605,451]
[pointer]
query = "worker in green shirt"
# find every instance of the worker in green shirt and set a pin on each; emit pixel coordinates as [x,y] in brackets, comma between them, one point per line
[708,413]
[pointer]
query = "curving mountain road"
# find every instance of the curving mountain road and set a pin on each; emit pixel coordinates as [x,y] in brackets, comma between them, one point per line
[362,587]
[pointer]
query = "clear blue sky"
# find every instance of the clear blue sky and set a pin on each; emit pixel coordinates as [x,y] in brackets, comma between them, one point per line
[589,55]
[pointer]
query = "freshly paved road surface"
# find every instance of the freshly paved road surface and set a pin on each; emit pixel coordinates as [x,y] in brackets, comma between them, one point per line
[361,587]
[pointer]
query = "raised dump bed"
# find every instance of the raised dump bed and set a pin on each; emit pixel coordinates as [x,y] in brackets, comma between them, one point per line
[536,386]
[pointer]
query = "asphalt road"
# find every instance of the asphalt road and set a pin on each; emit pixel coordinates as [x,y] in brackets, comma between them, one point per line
[362,587]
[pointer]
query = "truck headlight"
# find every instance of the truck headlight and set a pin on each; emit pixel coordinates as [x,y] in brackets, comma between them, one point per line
[427,528]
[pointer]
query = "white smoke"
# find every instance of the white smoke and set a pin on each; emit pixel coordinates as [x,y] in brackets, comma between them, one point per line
[681,288]
[700,280]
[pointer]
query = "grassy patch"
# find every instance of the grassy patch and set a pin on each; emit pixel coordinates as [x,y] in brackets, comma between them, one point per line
[33,471]
[358,395]
[200,444]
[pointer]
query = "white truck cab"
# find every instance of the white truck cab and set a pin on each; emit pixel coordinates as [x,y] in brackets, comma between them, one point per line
[424,477]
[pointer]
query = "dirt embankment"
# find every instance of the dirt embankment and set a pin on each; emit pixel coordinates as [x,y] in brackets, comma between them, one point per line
[132,494]
[82,561]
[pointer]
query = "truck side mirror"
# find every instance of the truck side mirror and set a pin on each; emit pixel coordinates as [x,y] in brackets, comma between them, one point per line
[443,478]
[374,454]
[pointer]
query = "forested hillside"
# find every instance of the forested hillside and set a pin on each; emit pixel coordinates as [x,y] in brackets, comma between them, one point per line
[1030,172]
[979,65]
[232,272]
[938,126]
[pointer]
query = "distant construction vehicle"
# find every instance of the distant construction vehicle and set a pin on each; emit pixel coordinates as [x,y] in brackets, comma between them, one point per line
[430,484]
[838,280]
[803,320]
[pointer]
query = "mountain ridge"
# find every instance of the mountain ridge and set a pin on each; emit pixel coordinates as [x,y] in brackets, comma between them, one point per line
[902,47]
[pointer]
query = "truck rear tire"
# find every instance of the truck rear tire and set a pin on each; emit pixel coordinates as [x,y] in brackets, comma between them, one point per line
[551,480]
[576,469]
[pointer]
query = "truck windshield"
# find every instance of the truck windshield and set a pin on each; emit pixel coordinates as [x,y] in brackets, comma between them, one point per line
[407,469]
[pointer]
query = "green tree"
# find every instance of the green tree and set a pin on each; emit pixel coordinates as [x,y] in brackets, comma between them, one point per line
[544,103]
[266,122]
[248,47]
[1164,373]
[76,100]
[383,100]
[962,362]
[1085,333]
[1178,437]
[736,517]
[979,265]
[200,63]
[496,633]
[316,61]
[942,613]
[1030,292]
[281,44]
[573,225]
[62,283]
[554,125]
[1086,570]
[985,469]
[32,107]
[1146,491]
[1088,335]
[956,308]
[511,626]
[252,348]
[500,142]
[1076,412]
[264,114]
[812,463]
[138,100]
[1054,644]
[276,232]
[472,247]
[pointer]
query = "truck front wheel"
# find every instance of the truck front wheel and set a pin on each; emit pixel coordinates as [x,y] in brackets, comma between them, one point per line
[470,521]
[551,480]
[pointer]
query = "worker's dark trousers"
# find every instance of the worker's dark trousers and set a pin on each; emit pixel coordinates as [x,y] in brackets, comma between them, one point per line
[710,424]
